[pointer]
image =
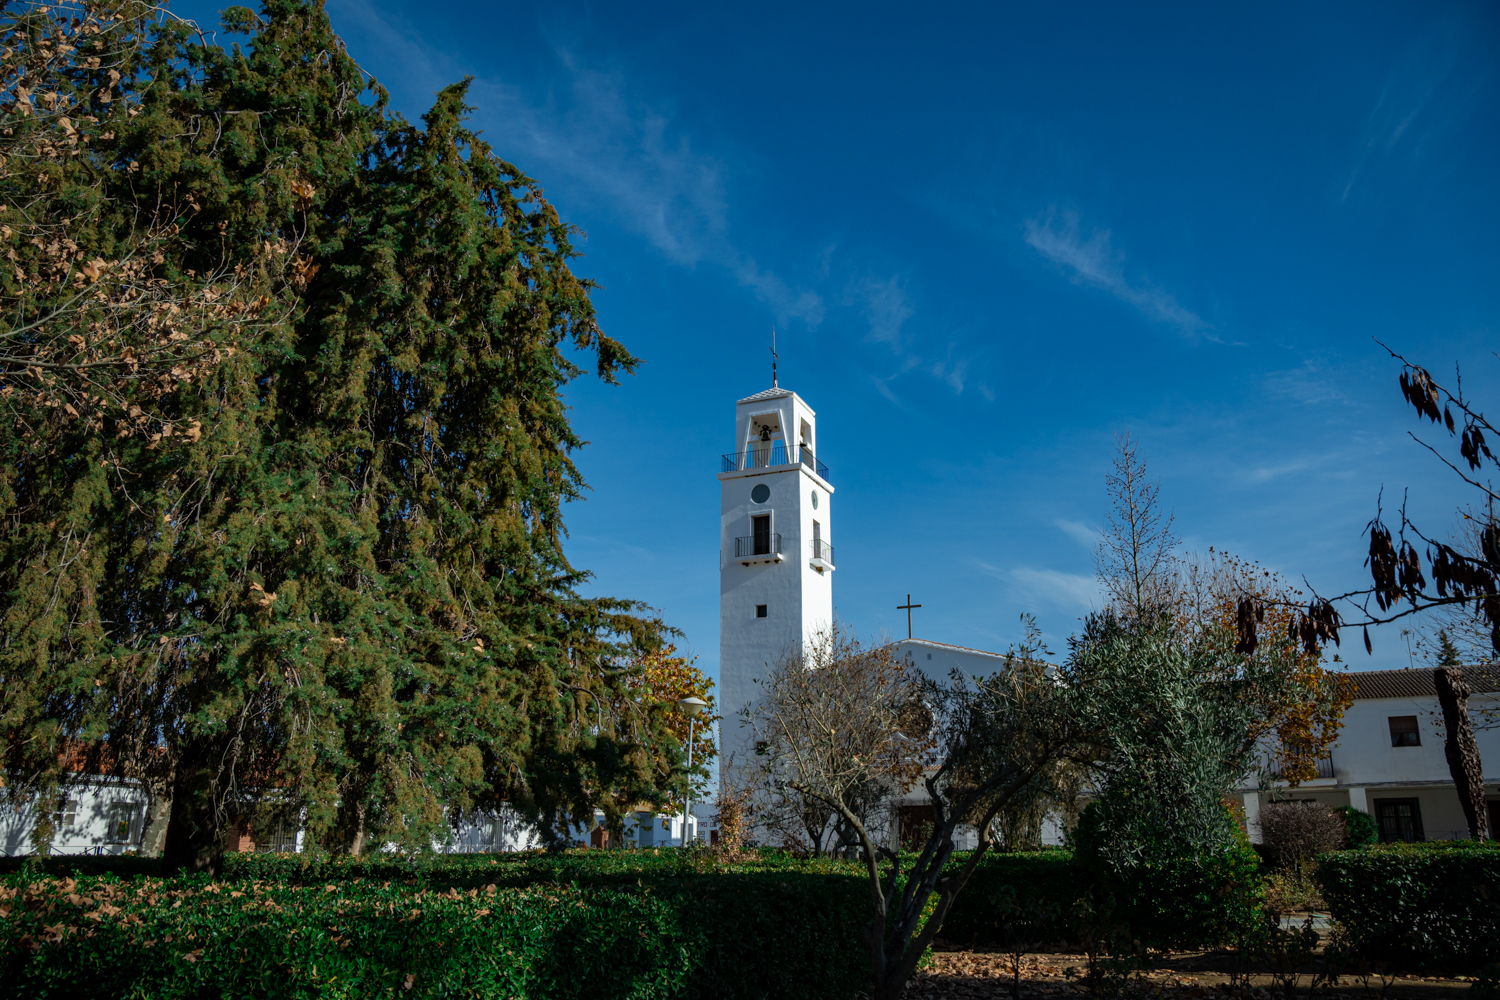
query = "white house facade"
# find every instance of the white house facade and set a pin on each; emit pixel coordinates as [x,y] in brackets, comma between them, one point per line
[1388,760]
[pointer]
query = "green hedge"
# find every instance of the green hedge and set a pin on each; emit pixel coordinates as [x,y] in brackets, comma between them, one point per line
[676,931]
[1034,897]
[1419,906]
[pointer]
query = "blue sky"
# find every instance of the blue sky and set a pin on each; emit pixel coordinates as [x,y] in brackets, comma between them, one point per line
[992,236]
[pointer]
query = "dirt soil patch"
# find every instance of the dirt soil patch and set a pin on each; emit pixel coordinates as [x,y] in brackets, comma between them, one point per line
[957,972]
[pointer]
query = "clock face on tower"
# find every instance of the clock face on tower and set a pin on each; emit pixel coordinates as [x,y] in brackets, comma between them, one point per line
[815,499]
[761,493]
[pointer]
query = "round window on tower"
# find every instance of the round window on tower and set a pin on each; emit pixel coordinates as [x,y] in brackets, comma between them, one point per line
[815,499]
[761,493]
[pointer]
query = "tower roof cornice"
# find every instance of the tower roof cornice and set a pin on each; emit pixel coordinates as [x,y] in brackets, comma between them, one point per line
[767,394]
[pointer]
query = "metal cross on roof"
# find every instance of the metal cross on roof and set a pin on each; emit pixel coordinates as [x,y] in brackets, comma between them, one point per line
[907,608]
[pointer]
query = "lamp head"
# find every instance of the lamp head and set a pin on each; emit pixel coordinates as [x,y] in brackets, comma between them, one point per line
[691,706]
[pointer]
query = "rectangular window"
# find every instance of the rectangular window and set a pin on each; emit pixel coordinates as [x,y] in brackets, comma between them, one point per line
[118,819]
[64,818]
[760,531]
[1404,731]
[760,611]
[1399,819]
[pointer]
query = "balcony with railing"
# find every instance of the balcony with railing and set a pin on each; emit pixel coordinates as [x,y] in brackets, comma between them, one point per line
[1325,769]
[771,455]
[761,546]
[822,554]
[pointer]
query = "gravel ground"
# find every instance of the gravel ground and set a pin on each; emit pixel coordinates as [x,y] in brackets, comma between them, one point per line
[1191,976]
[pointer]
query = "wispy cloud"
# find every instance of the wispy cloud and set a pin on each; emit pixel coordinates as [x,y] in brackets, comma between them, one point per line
[1056,587]
[1424,96]
[886,307]
[1310,383]
[1078,531]
[1092,260]
[1267,473]
[614,150]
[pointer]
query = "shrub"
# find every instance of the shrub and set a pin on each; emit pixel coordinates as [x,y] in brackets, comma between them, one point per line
[1359,826]
[1187,901]
[1293,833]
[1419,906]
[669,932]
[1018,898]
[1165,894]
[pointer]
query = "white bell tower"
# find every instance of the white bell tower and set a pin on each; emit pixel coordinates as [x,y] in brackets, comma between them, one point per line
[775,551]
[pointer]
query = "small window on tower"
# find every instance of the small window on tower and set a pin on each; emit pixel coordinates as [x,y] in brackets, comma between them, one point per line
[760,611]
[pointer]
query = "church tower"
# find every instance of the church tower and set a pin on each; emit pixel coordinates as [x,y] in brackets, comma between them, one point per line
[775,551]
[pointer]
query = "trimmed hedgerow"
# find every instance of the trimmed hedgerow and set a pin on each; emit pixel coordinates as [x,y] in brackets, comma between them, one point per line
[1023,897]
[1048,896]
[1420,906]
[663,936]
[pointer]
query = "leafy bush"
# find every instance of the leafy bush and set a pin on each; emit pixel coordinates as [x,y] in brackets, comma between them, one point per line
[1419,906]
[1360,827]
[1025,897]
[1293,833]
[1165,894]
[678,928]
[1196,900]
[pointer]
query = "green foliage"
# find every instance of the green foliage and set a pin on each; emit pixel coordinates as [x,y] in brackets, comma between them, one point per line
[348,583]
[1359,826]
[1194,901]
[1025,897]
[1182,709]
[678,928]
[1433,906]
[1486,985]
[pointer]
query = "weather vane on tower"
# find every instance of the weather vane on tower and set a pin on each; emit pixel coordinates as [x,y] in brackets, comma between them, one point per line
[773,358]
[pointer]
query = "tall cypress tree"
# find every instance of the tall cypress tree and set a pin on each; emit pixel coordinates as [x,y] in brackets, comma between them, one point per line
[343,593]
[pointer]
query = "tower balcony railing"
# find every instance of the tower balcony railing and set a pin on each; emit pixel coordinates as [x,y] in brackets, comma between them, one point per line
[821,550]
[758,545]
[771,455]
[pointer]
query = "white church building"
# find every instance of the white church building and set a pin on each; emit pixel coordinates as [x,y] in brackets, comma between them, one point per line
[776,568]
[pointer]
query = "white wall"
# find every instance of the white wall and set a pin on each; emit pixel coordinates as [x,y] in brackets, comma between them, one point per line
[91,830]
[1363,754]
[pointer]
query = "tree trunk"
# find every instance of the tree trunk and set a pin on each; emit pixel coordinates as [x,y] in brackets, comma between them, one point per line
[1461,750]
[158,817]
[194,841]
[357,845]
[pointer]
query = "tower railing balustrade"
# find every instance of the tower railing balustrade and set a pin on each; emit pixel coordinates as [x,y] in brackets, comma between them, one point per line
[764,545]
[822,550]
[770,455]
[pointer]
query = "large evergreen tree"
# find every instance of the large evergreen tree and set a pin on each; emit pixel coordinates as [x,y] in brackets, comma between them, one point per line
[291,539]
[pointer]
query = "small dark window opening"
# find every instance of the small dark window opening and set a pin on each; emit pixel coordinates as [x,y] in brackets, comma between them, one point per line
[760,611]
[1404,731]
[1399,819]
[760,528]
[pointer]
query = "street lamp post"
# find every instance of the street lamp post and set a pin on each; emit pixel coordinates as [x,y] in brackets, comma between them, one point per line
[690,707]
